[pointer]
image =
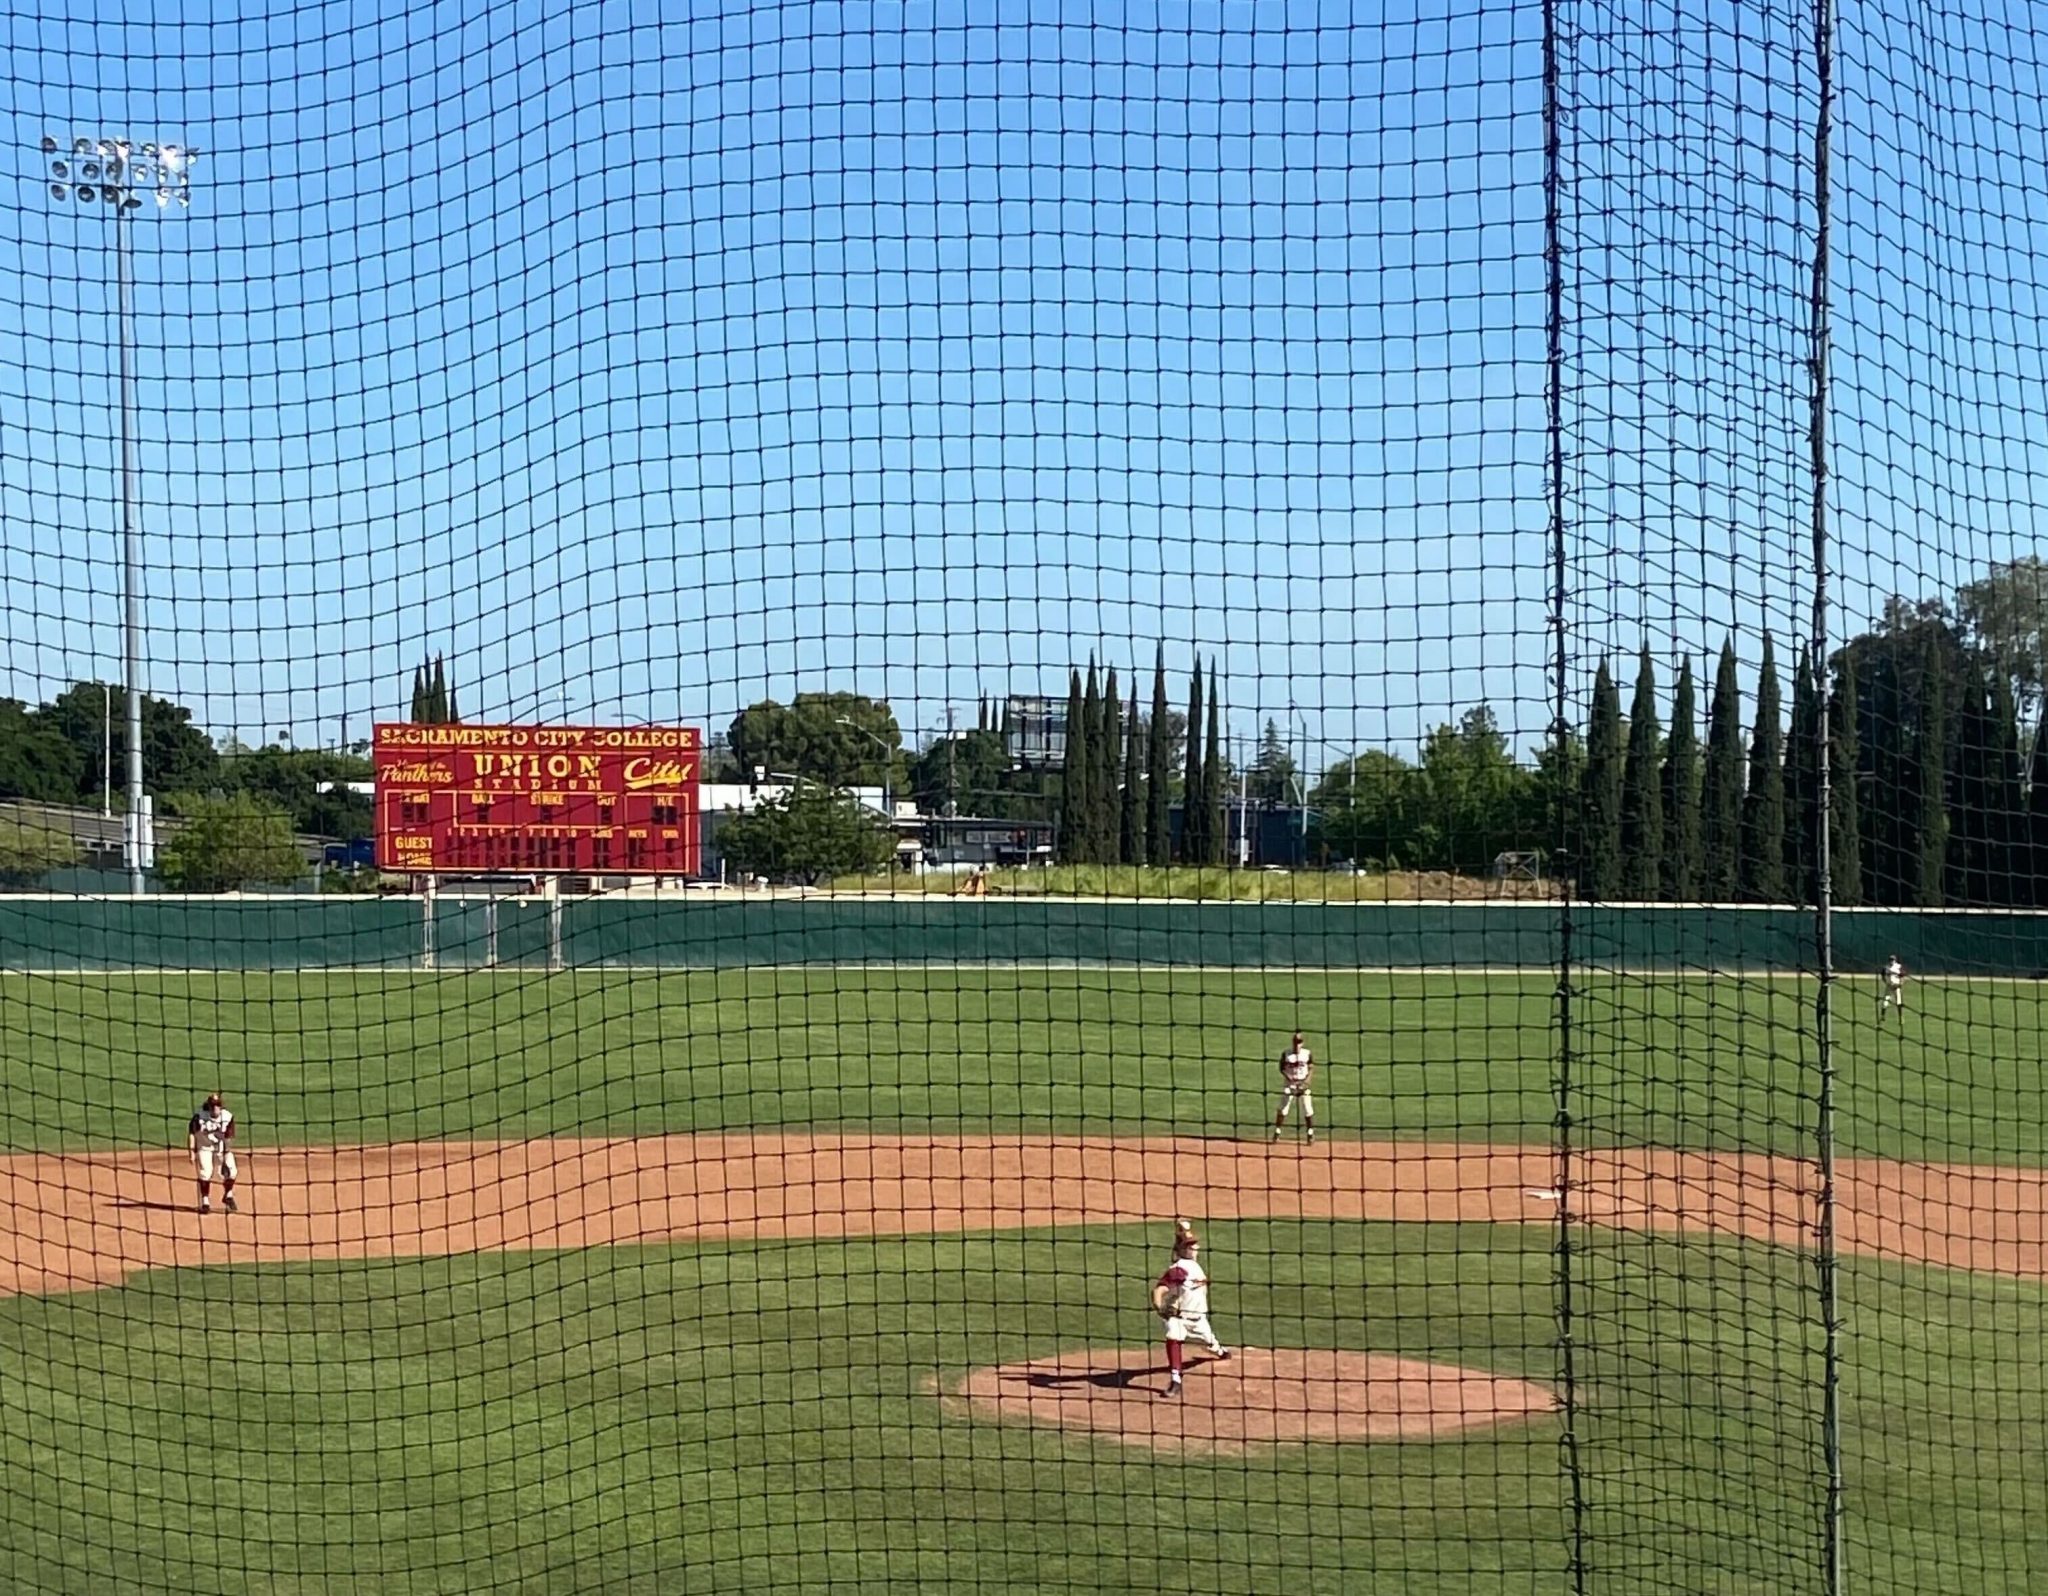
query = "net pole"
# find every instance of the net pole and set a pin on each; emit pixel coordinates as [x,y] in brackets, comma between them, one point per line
[1826,1262]
[1553,255]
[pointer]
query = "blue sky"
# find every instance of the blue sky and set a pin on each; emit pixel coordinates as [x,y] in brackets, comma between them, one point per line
[646,368]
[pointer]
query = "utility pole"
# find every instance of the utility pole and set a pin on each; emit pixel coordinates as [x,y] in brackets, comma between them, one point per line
[116,173]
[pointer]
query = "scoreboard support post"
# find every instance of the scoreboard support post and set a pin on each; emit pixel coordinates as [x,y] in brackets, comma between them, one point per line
[553,892]
[427,925]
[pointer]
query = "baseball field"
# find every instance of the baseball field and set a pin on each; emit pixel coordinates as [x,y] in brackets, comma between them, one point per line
[608,1281]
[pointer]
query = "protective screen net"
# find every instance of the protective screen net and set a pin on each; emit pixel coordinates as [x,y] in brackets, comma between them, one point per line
[1232,797]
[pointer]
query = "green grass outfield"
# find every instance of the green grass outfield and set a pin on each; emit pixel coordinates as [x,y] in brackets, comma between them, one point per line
[120,1060]
[755,1419]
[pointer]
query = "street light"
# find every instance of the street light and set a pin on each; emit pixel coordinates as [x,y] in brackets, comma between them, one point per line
[108,174]
[888,759]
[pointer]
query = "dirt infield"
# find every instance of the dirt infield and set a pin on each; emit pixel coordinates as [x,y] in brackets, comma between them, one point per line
[1258,1398]
[82,1220]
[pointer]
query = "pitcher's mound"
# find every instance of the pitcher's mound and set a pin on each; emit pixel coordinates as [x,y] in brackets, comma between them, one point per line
[1257,1398]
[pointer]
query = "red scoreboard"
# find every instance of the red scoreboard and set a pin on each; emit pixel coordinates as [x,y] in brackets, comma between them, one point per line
[526,800]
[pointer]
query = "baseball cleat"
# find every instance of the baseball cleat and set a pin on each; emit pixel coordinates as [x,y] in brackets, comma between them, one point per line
[228,1203]
[1311,1136]
[206,1205]
[1172,1389]
[1223,1355]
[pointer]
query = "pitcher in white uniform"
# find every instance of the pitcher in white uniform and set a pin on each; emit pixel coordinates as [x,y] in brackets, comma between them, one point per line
[1181,1299]
[210,1138]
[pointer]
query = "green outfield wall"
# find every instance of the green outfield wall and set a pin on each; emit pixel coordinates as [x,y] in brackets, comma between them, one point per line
[42,933]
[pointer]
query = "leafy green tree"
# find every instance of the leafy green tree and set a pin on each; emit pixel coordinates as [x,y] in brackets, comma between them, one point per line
[2004,613]
[1642,795]
[226,844]
[1845,822]
[1130,841]
[1721,785]
[2037,815]
[177,756]
[1194,847]
[1554,793]
[1158,772]
[28,853]
[1474,801]
[37,761]
[1680,794]
[837,739]
[967,774]
[810,833]
[2005,801]
[1763,805]
[291,780]
[1892,669]
[1367,809]
[1599,869]
[1801,848]
[1272,774]
[1215,830]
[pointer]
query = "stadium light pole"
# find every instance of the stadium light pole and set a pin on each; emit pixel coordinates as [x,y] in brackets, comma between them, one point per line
[116,173]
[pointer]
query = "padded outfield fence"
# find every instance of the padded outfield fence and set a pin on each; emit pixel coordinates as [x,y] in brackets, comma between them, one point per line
[1590,446]
[52,935]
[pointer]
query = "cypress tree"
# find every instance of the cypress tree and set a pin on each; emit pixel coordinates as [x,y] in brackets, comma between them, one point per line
[2006,834]
[1214,827]
[1802,787]
[1194,803]
[1600,795]
[437,694]
[2037,817]
[454,715]
[1130,839]
[1930,761]
[1763,806]
[1681,794]
[1845,820]
[1089,798]
[1074,778]
[1642,797]
[419,695]
[1158,773]
[1889,865]
[1721,785]
[1966,876]
[1109,772]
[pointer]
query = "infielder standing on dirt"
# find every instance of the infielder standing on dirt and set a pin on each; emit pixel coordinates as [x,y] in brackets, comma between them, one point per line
[210,1139]
[1181,1299]
[1894,994]
[1297,1069]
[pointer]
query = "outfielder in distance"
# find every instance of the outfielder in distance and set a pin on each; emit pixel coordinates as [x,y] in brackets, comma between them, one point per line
[210,1139]
[1297,1069]
[1181,1299]
[1894,994]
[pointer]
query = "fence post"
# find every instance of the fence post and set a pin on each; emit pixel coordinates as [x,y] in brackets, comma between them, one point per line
[427,925]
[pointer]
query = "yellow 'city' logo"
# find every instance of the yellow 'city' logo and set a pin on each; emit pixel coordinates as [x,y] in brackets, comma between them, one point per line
[640,774]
